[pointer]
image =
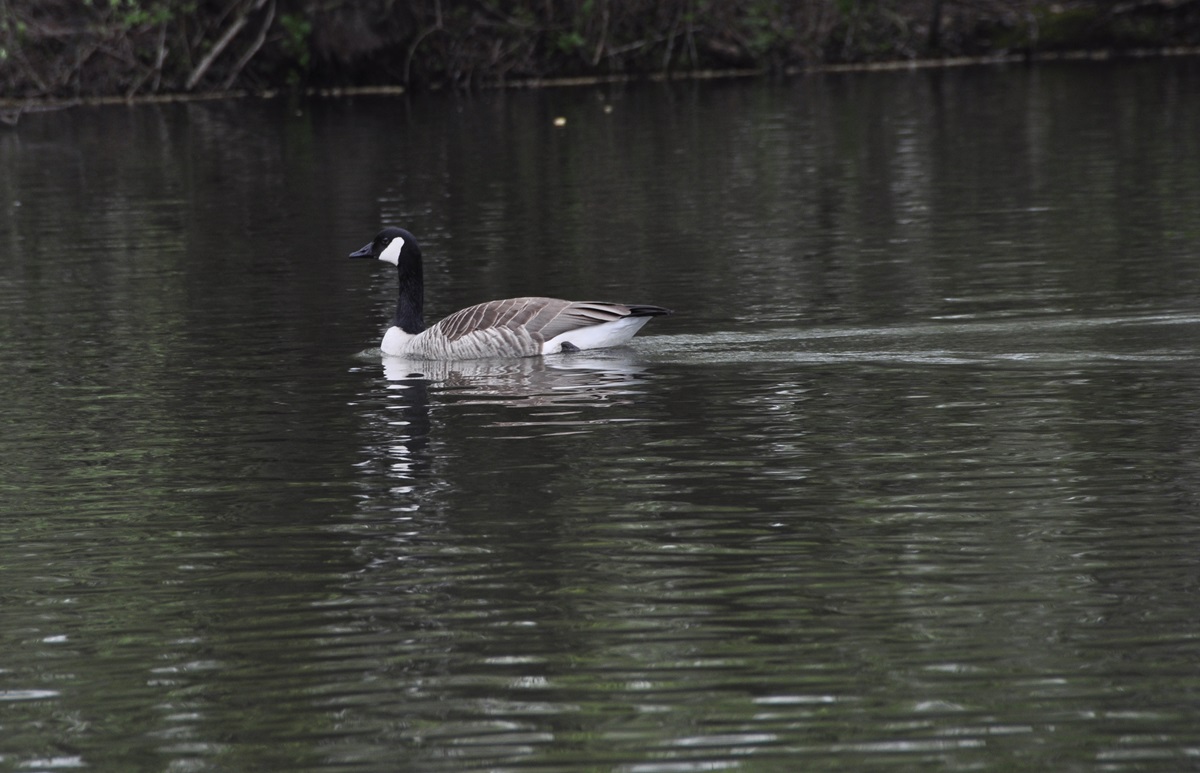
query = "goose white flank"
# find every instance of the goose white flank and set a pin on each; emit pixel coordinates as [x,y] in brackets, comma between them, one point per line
[514,327]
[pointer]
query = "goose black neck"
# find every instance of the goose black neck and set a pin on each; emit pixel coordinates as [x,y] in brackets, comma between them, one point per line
[409,307]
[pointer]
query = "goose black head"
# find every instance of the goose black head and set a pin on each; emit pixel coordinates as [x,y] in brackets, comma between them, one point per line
[390,245]
[399,247]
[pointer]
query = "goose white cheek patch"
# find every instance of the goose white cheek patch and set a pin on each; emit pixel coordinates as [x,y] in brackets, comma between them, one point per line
[391,253]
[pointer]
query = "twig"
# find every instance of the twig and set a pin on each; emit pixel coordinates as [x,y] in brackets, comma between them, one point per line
[635,45]
[666,66]
[68,74]
[156,70]
[691,37]
[603,42]
[413,50]
[160,58]
[254,48]
[234,28]
[31,72]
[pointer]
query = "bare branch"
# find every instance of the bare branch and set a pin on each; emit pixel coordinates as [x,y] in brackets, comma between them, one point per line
[225,39]
[254,48]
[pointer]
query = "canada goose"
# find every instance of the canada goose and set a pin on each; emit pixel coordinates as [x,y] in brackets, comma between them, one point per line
[515,327]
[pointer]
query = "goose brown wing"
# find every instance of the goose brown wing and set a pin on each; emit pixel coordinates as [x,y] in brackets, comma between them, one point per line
[539,318]
[528,314]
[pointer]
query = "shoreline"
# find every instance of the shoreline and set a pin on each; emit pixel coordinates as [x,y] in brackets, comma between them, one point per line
[12,109]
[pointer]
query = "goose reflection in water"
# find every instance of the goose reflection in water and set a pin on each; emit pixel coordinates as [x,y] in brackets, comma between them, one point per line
[566,380]
[417,424]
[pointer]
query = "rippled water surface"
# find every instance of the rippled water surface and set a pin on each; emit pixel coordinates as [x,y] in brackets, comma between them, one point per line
[911,479]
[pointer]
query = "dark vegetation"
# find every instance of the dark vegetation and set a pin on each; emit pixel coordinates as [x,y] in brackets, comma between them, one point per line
[68,49]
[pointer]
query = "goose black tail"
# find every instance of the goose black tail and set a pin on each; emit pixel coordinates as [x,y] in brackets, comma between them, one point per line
[642,310]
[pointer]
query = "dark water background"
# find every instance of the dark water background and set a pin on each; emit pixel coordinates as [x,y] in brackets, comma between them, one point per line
[910,481]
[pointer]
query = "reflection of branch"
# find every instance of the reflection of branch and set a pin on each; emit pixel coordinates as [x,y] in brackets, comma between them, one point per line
[250,52]
[220,45]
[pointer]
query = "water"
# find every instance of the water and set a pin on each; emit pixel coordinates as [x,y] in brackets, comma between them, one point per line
[908,482]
